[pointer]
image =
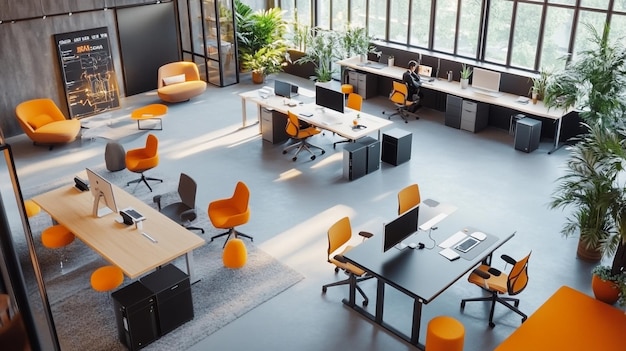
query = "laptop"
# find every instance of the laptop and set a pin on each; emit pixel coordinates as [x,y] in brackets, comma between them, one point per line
[425,73]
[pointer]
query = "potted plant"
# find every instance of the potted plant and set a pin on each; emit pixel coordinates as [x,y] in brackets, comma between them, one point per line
[356,42]
[267,60]
[608,287]
[321,51]
[538,88]
[466,72]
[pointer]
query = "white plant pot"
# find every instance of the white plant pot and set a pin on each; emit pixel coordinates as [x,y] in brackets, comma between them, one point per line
[363,58]
[391,62]
[464,83]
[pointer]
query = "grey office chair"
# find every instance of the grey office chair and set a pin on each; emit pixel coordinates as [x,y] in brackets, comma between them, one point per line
[183,211]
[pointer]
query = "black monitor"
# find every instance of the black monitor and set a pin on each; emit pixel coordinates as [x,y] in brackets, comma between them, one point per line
[329,98]
[400,228]
[282,88]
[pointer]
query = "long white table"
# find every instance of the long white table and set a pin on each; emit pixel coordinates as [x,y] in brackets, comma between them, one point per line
[454,88]
[341,124]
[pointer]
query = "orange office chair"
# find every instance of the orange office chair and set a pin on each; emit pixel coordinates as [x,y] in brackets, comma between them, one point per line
[355,102]
[44,123]
[143,159]
[400,97]
[408,198]
[231,212]
[495,282]
[293,129]
[338,235]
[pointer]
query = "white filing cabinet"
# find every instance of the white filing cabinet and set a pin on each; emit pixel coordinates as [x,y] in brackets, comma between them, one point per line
[364,84]
[474,116]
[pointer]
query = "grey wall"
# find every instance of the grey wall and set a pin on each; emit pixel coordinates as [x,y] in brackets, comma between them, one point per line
[29,67]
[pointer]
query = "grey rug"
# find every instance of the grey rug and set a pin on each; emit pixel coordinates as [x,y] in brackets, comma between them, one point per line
[85,319]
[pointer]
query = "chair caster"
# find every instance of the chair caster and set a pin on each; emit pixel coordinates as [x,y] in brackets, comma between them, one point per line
[312,157]
[365,302]
[323,152]
[294,159]
[323,289]
[284,152]
[492,325]
[405,121]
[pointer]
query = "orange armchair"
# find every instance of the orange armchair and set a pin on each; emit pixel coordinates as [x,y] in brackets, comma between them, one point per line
[179,81]
[231,212]
[45,124]
[143,159]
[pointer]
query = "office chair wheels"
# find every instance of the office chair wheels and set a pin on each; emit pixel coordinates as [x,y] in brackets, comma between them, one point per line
[312,157]
[492,325]
[365,302]
[324,289]
[284,152]
[294,159]
[405,121]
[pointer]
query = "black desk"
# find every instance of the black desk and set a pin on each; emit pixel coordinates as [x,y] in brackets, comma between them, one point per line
[411,272]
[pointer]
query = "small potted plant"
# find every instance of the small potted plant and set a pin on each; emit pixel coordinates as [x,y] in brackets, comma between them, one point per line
[538,88]
[608,287]
[466,72]
[266,60]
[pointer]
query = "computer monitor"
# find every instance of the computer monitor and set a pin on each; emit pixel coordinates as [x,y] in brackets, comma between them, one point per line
[486,80]
[425,71]
[332,99]
[101,188]
[399,229]
[282,88]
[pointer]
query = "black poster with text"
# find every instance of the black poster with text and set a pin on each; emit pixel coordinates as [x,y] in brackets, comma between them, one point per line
[88,71]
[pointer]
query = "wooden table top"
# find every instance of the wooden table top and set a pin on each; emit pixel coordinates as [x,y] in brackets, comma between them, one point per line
[121,245]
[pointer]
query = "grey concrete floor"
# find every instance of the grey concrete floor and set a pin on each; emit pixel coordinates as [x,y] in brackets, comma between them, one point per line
[494,187]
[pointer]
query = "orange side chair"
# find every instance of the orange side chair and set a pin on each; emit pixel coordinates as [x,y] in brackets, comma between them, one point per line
[408,198]
[143,159]
[231,212]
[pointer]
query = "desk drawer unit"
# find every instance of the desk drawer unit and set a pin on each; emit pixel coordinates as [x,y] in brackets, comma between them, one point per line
[364,84]
[474,116]
[396,146]
[273,126]
[453,111]
[135,313]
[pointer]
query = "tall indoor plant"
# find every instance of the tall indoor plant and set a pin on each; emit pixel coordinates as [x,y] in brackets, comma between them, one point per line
[322,51]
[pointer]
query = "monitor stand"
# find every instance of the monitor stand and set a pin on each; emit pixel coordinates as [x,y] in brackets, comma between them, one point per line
[97,211]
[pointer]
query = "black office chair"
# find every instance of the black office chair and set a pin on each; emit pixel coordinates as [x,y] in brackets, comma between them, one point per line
[184,211]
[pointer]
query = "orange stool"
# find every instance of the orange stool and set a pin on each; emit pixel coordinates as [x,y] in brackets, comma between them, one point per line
[57,236]
[347,88]
[31,208]
[154,111]
[444,334]
[235,254]
[106,278]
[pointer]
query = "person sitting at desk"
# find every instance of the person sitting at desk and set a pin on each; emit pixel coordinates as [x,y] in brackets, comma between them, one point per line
[412,80]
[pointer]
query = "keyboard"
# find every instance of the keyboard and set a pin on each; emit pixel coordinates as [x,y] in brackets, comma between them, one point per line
[452,240]
[375,65]
[427,79]
[494,94]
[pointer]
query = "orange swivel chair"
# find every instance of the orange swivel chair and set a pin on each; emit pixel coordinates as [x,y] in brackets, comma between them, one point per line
[143,159]
[294,130]
[231,212]
[400,97]
[496,283]
[45,124]
[408,198]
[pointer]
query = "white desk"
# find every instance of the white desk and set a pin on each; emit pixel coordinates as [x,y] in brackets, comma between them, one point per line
[454,88]
[332,121]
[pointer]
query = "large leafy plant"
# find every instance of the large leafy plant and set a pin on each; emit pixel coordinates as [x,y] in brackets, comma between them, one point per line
[322,51]
[256,30]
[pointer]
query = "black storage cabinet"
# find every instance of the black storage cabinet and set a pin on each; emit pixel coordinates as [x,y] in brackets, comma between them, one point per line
[135,313]
[527,134]
[172,291]
[396,146]
[354,161]
[373,153]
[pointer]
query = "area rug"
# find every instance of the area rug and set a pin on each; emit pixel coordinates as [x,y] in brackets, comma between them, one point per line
[85,319]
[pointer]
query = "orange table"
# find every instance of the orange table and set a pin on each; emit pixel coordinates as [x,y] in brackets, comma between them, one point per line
[153,111]
[572,321]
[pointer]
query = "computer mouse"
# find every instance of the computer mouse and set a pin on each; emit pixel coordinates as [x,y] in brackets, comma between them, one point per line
[479,235]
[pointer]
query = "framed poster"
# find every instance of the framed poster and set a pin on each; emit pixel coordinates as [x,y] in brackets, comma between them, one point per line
[88,72]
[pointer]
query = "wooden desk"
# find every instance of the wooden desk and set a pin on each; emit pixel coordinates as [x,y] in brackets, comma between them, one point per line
[332,121]
[121,245]
[411,271]
[454,88]
[570,320]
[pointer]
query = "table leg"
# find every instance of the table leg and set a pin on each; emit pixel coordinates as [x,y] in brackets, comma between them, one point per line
[352,293]
[380,298]
[244,114]
[190,267]
[417,320]
[557,137]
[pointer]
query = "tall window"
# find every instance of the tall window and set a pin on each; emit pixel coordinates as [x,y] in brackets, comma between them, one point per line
[445,26]
[377,19]
[398,21]
[498,31]
[583,34]
[358,11]
[420,23]
[526,35]
[323,14]
[556,37]
[340,14]
[469,28]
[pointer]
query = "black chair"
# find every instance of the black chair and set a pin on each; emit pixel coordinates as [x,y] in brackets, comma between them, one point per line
[183,211]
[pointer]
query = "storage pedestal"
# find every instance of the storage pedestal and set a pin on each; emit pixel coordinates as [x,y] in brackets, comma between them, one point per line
[172,291]
[396,146]
[527,134]
[372,155]
[354,161]
[273,126]
[135,313]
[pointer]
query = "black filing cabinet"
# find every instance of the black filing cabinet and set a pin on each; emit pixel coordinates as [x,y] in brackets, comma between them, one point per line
[273,126]
[172,291]
[372,146]
[454,107]
[396,146]
[135,313]
[527,134]
[354,161]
